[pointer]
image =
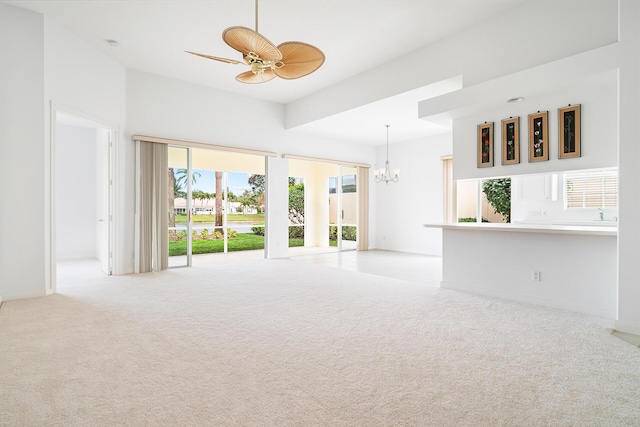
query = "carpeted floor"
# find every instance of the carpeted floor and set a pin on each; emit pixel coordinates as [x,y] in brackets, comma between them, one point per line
[288,343]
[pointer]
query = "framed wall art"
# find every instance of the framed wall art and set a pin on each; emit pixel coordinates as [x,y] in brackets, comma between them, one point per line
[538,136]
[511,141]
[485,145]
[569,131]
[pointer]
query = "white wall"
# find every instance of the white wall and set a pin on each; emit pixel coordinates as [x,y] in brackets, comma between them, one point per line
[76,192]
[577,272]
[403,207]
[597,96]
[22,167]
[80,79]
[48,64]
[629,229]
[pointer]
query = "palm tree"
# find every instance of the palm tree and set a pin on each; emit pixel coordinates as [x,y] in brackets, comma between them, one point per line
[181,178]
[177,188]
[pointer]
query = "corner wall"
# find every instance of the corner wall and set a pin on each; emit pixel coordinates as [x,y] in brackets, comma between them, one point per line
[402,208]
[629,235]
[22,167]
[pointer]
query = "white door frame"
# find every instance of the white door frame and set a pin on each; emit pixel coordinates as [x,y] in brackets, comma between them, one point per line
[50,190]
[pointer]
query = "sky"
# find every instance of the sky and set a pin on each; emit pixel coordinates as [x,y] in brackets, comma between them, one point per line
[238,182]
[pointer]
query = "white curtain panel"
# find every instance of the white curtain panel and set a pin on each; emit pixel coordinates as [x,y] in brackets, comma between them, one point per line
[363,208]
[153,221]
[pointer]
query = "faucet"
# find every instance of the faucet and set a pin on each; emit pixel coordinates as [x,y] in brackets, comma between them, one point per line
[601,213]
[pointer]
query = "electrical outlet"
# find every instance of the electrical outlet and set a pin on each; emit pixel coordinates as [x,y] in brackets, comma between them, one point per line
[535,276]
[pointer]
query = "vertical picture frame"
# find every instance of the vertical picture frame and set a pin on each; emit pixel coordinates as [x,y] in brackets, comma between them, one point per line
[485,145]
[569,145]
[539,136]
[511,141]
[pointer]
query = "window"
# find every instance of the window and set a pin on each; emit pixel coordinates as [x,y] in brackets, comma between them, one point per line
[333,185]
[348,184]
[591,189]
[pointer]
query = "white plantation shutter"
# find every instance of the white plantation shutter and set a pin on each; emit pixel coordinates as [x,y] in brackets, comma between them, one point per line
[591,189]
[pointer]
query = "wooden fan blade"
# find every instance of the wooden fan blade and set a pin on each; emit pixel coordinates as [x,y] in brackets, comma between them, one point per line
[299,60]
[249,77]
[246,40]
[229,61]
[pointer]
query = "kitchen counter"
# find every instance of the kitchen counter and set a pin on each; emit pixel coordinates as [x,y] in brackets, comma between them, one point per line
[585,229]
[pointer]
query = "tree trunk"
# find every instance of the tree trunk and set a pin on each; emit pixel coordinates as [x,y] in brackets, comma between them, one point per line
[171,189]
[219,200]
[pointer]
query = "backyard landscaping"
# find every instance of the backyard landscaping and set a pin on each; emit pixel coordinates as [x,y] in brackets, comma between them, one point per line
[234,218]
[242,242]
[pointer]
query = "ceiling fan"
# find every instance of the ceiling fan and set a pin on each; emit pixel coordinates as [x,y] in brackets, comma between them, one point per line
[289,60]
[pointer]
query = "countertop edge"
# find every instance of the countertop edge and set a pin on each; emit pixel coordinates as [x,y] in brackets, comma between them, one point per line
[531,228]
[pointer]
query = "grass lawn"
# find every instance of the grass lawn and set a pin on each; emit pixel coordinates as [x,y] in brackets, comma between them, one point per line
[243,242]
[251,218]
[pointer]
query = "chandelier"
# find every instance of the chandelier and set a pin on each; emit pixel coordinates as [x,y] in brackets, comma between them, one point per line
[385,175]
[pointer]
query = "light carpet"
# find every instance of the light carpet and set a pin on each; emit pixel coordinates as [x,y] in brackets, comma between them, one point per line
[286,343]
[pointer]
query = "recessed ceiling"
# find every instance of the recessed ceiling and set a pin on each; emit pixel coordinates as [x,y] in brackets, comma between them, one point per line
[355,35]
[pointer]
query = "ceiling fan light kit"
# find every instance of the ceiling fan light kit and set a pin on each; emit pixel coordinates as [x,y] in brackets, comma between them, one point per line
[289,60]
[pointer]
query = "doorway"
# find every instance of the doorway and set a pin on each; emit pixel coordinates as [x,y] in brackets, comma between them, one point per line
[330,206]
[81,192]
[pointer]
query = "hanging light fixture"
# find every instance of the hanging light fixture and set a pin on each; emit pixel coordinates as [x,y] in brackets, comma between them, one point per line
[385,175]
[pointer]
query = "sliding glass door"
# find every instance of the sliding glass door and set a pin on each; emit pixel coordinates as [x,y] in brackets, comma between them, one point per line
[216,204]
[325,208]
[179,206]
[347,226]
[343,208]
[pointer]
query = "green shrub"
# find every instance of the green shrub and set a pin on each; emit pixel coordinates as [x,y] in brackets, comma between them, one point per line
[333,232]
[258,230]
[498,192]
[204,233]
[232,234]
[296,232]
[181,235]
[349,232]
[471,220]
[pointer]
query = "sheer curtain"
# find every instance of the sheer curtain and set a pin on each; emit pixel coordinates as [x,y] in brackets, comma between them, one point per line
[152,241]
[363,208]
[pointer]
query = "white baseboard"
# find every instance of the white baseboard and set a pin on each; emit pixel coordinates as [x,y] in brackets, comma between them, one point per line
[626,327]
[579,308]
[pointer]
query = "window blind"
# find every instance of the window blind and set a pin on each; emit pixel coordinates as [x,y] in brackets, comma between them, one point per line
[591,189]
